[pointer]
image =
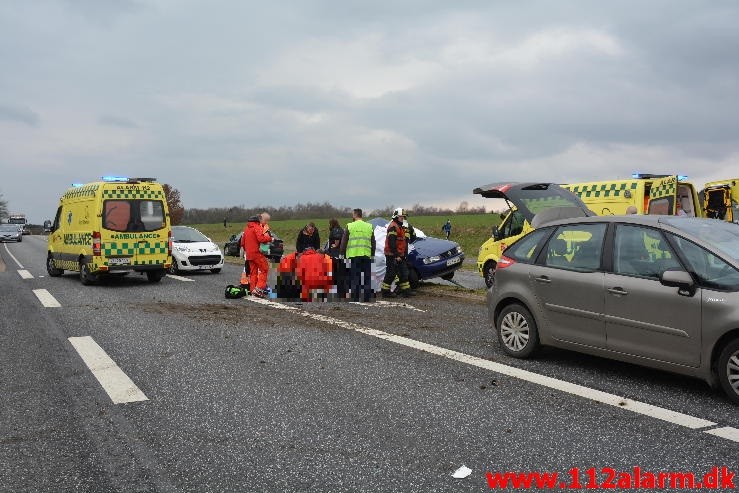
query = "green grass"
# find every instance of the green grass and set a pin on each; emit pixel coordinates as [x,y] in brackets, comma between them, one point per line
[470,230]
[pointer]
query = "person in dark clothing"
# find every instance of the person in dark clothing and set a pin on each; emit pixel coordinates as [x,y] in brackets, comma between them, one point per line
[333,248]
[358,247]
[396,252]
[308,237]
[447,228]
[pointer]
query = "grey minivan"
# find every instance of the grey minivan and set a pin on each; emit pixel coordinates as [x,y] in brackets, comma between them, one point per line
[658,291]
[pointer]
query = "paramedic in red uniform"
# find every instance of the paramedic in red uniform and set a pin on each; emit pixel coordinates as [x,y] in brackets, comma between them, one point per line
[314,272]
[256,234]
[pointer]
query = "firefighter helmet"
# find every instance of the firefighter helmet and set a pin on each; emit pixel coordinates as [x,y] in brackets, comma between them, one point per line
[399,212]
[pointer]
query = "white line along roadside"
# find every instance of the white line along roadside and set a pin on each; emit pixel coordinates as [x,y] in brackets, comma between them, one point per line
[180,278]
[25,274]
[116,384]
[46,298]
[638,407]
[20,266]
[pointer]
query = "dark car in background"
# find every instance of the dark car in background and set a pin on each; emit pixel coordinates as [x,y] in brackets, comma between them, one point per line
[232,247]
[658,291]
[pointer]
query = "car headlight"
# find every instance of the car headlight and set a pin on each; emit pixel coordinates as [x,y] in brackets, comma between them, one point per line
[458,249]
[431,260]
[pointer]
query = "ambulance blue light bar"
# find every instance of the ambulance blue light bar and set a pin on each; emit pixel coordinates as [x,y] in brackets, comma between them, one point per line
[682,177]
[77,184]
[115,178]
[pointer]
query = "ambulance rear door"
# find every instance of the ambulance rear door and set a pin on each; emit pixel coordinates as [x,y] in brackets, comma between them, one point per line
[663,196]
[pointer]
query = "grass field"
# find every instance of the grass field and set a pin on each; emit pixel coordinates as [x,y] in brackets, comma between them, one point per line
[470,231]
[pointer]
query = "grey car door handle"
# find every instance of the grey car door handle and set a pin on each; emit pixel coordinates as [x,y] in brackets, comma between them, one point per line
[618,291]
[543,279]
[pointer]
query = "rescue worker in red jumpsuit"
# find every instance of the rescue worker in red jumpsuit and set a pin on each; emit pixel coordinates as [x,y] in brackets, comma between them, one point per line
[256,233]
[396,251]
[314,272]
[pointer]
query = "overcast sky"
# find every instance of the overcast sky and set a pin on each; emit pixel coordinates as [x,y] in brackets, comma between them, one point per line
[361,103]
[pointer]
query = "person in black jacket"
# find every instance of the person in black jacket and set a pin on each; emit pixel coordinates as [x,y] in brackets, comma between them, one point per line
[333,248]
[308,238]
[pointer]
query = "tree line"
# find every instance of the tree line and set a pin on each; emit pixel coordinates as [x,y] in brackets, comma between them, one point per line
[309,210]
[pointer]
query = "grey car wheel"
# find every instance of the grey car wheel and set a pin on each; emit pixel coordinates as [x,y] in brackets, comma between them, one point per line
[728,370]
[517,331]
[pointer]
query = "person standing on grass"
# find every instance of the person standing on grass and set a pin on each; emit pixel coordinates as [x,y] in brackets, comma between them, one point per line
[447,228]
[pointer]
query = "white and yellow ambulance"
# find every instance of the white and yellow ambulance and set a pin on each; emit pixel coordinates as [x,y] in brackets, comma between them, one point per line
[720,199]
[647,193]
[114,226]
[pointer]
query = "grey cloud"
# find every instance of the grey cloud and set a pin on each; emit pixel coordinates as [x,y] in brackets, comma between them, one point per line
[19,114]
[116,121]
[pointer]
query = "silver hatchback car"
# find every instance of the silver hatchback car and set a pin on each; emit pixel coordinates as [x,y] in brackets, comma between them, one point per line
[658,291]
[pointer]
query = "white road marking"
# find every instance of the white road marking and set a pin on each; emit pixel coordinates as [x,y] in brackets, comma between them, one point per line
[726,432]
[25,274]
[388,304]
[46,298]
[118,386]
[638,407]
[20,266]
[180,278]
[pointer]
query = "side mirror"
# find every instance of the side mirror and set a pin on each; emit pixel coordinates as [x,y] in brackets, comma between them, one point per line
[496,233]
[678,279]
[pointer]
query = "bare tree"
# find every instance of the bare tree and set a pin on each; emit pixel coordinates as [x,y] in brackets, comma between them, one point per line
[3,208]
[176,209]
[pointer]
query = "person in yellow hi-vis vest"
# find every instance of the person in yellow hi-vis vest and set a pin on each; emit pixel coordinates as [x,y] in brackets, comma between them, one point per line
[358,247]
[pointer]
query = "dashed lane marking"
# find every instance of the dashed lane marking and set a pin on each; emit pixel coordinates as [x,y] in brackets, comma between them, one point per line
[726,432]
[638,407]
[46,298]
[114,381]
[20,266]
[180,278]
[25,274]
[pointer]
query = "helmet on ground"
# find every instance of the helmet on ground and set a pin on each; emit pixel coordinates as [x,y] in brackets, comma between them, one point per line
[399,212]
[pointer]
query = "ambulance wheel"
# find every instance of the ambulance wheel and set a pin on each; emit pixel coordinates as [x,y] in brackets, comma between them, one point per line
[155,275]
[413,278]
[51,268]
[488,272]
[215,271]
[86,277]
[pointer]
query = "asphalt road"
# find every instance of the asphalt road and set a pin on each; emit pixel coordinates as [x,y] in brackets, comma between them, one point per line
[246,396]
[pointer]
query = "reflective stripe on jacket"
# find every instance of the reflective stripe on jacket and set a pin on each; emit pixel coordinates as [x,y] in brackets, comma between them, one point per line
[396,244]
[359,243]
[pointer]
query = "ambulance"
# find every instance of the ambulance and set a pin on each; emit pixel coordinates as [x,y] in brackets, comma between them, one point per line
[528,205]
[114,226]
[720,199]
[647,193]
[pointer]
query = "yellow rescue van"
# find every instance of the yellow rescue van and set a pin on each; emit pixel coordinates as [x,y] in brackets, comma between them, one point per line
[647,193]
[720,199]
[114,226]
[525,201]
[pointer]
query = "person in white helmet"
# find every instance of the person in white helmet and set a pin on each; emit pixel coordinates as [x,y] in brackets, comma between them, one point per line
[396,252]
